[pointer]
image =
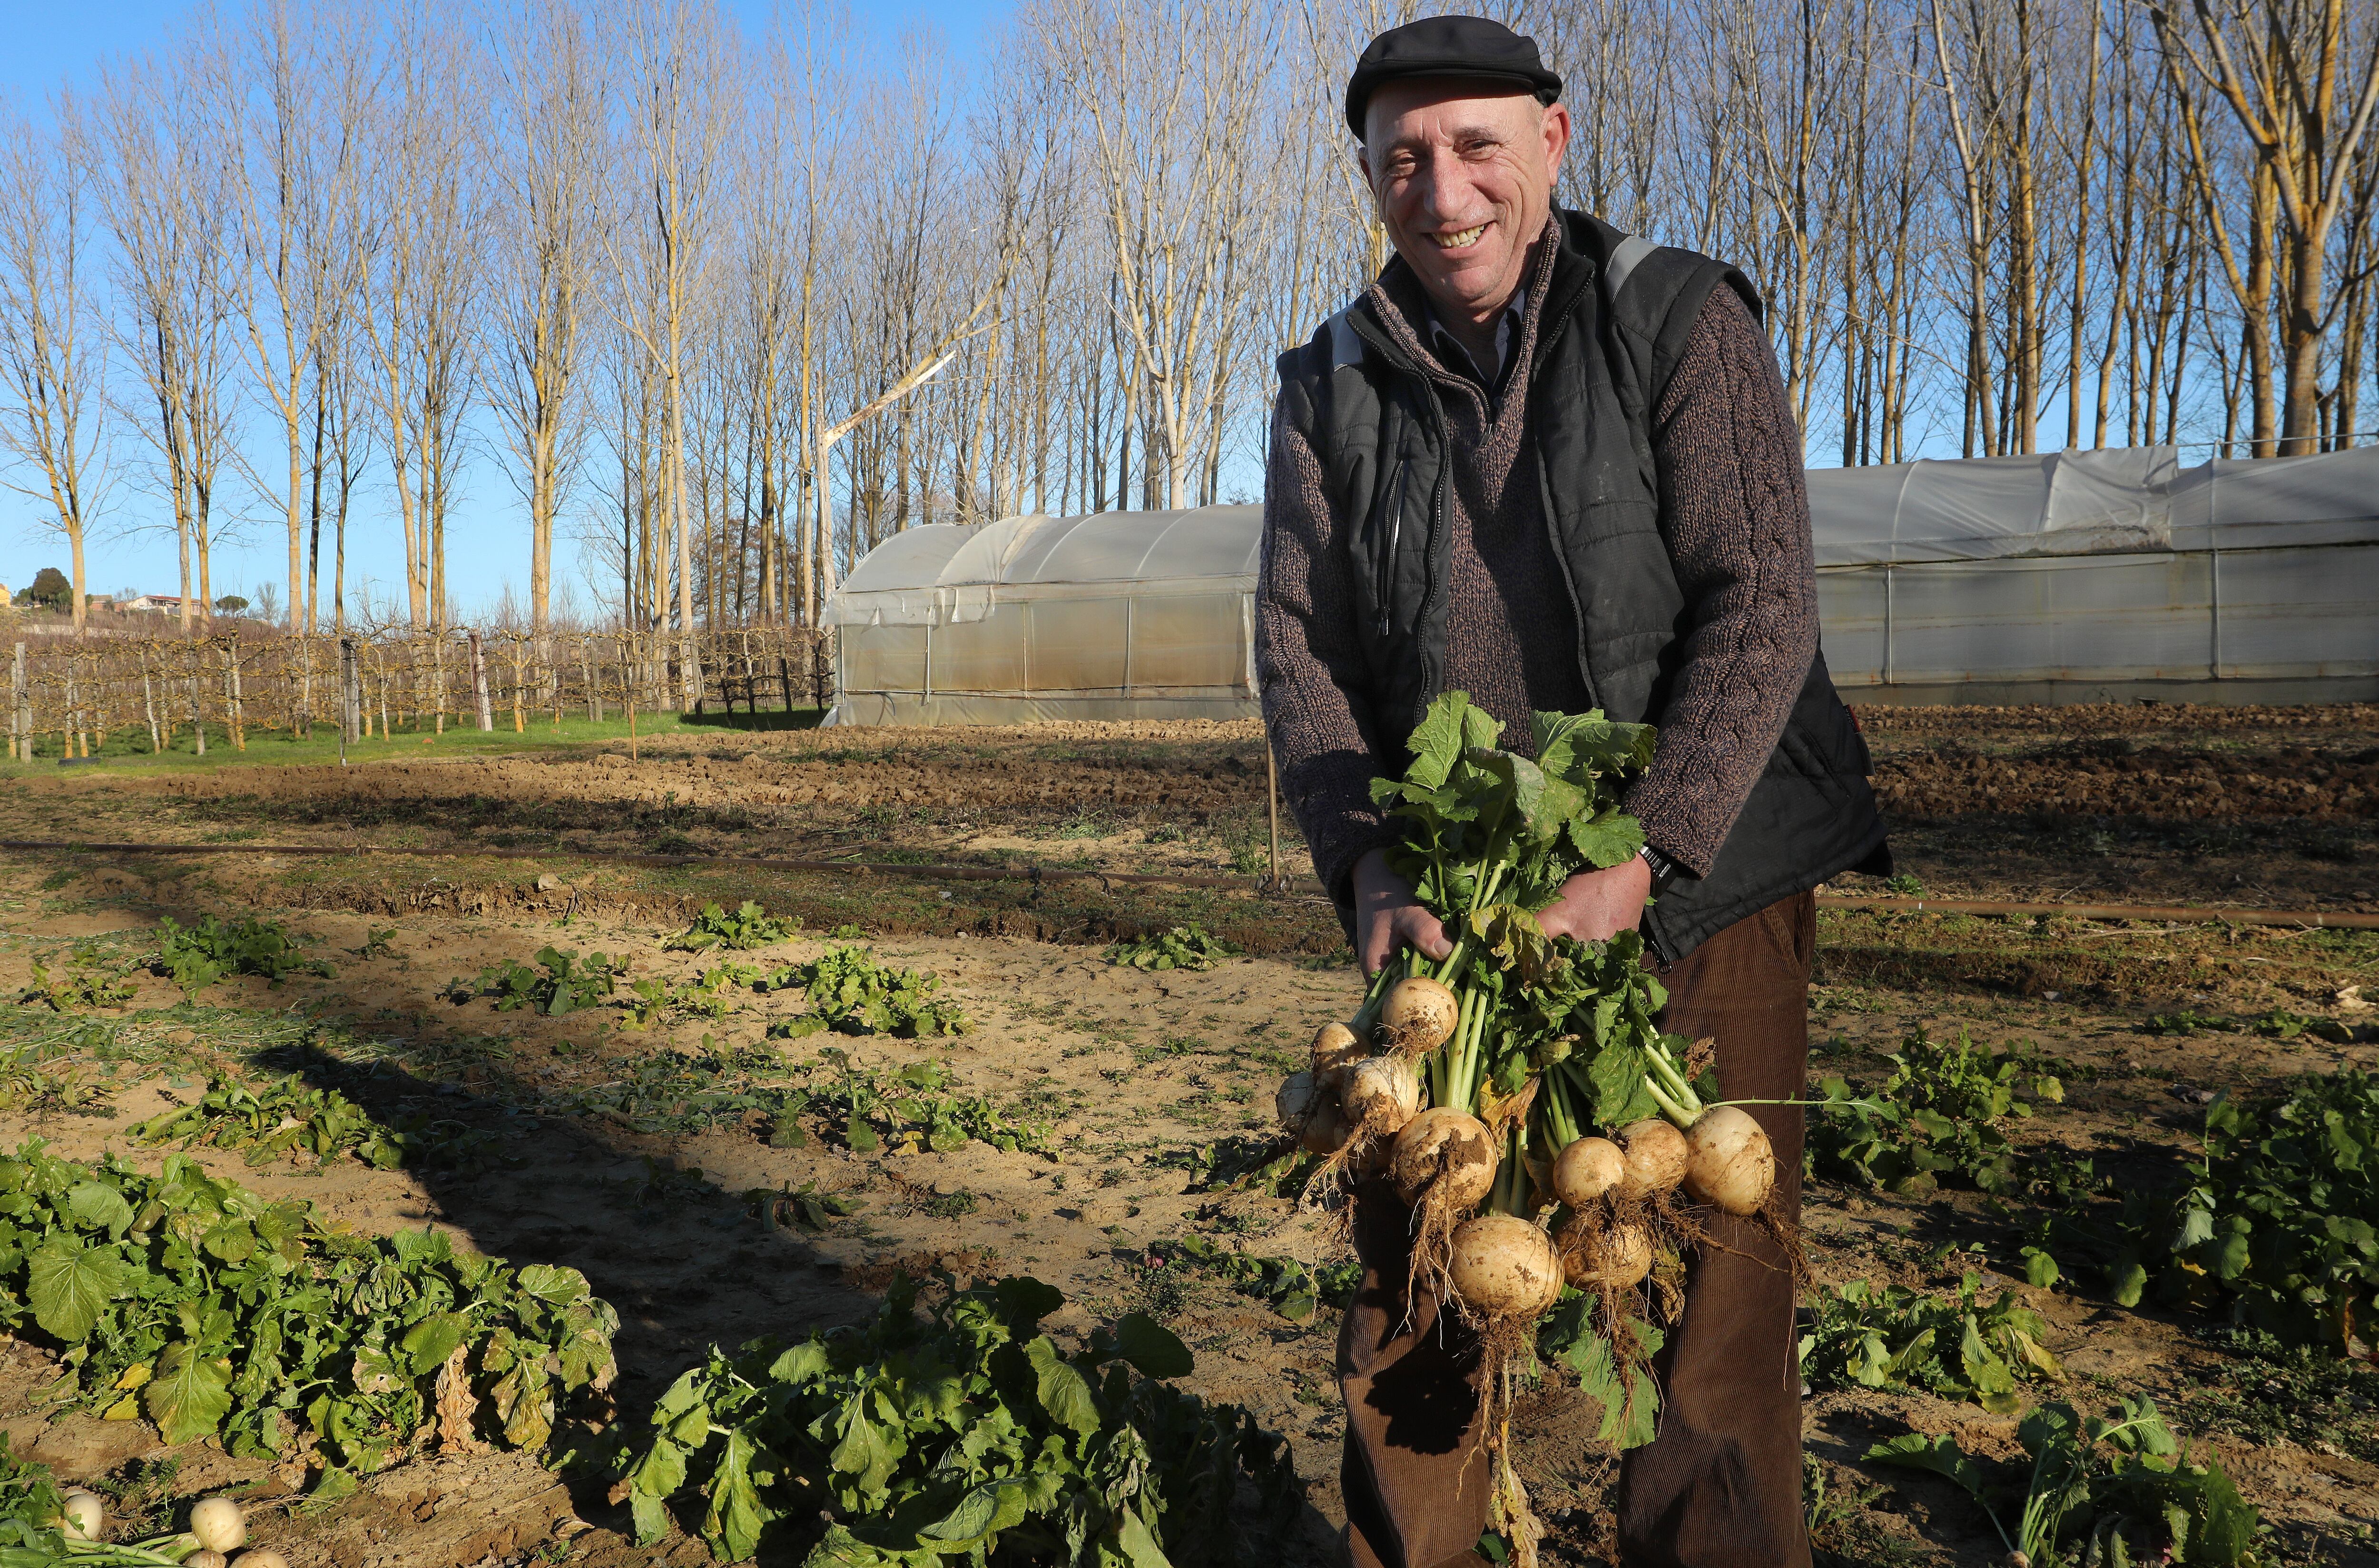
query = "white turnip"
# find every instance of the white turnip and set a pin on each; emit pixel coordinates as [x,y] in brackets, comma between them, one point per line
[1295,1100]
[1326,1131]
[203,1558]
[1587,1169]
[1729,1162]
[1419,1014]
[1446,1155]
[1654,1154]
[218,1525]
[1335,1048]
[1505,1269]
[82,1515]
[1380,1095]
[259,1557]
[1600,1256]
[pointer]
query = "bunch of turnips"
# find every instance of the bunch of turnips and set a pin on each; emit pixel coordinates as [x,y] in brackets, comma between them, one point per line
[1516,1093]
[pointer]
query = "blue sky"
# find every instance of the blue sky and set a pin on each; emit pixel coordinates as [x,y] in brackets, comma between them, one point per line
[44,43]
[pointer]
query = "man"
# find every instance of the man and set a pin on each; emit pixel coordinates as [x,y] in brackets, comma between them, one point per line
[1553,465]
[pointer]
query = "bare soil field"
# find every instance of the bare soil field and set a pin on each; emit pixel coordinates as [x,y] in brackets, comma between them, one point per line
[641,1144]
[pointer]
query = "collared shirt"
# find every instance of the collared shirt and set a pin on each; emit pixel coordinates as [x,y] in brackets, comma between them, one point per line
[1455,357]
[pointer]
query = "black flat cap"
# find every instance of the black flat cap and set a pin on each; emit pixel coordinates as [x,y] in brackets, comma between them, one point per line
[1447,46]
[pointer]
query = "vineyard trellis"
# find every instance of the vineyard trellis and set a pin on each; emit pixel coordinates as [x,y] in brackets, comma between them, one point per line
[67,695]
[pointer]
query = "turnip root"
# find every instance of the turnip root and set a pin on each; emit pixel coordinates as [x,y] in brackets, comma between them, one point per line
[1380,1095]
[1654,1154]
[1295,1101]
[82,1514]
[218,1525]
[1588,1169]
[202,1558]
[1327,1130]
[1335,1048]
[1598,1255]
[1419,1014]
[1729,1162]
[1503,1269]
[259,1557]
[1445,1155]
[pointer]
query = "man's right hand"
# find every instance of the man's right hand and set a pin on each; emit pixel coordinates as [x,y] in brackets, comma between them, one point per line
[1388,916]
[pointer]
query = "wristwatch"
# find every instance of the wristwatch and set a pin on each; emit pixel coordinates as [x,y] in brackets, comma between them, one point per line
[1664,870]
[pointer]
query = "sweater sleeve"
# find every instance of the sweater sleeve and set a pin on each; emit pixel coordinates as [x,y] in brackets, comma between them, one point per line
[1311,667]
[1735,507]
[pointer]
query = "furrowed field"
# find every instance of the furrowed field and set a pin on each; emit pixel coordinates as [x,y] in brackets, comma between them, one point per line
[265,1118]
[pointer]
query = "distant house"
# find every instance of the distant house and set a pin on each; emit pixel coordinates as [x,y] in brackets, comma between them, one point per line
[153,604]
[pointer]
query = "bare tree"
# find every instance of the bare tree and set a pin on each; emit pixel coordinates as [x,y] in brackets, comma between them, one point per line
[153,139]
[546,153]
[1171,94]
[53,358]
[2292,79]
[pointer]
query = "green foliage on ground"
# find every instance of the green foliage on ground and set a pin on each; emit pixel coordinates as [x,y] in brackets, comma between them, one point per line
[1288,1287]
[557,984]
[84,982]
[282,1117]
[2102,1491]
[1941,1116]
[966,1433]
[213,1313]
[850,993]
[2275,1225]
[1179,946]
[194,957]
[750,926]
[1959,1347]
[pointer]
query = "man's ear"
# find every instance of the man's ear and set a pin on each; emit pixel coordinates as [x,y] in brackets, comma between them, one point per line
[1556,128]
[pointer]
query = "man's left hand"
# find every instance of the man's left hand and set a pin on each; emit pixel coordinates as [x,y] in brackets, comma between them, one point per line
[1595,906]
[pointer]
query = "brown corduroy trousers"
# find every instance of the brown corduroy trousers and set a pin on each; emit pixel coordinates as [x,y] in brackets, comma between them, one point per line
[1722,1483]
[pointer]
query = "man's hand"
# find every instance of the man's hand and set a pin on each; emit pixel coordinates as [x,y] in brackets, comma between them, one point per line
[1388,916]
[1595,906]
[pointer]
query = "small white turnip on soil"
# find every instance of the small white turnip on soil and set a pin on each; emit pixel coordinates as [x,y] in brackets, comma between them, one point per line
[82,1515]
[218,1525]
[202,1558]
[259,1557]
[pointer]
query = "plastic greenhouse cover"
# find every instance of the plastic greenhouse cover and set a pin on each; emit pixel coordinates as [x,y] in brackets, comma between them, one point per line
[951,574]
[2128,501]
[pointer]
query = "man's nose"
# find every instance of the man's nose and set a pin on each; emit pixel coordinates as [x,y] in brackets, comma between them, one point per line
[1440,183]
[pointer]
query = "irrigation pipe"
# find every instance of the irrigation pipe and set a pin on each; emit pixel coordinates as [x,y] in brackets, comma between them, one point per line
[2185,914]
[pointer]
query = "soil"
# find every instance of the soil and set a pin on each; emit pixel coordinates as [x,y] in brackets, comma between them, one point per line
[1155,1082]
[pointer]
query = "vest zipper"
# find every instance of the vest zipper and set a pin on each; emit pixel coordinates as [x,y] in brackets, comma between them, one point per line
[1545,340]
[1383,581]
[1433,551]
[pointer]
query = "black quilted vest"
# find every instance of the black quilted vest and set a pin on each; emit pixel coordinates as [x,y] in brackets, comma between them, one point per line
[1615,323]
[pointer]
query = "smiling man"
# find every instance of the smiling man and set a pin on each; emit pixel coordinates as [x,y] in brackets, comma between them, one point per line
[1553,465]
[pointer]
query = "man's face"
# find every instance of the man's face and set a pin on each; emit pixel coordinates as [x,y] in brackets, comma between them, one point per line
[1462,172]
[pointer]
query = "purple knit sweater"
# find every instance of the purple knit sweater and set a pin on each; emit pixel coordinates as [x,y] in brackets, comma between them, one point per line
[1736,517]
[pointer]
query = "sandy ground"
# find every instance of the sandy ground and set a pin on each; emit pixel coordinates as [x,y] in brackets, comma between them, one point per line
[1151,1081]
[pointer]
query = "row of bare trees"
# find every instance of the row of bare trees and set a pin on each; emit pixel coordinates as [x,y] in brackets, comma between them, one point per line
[728,306]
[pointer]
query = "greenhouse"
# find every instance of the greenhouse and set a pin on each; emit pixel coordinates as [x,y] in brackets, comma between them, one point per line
[1118,615]
[2060,577]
